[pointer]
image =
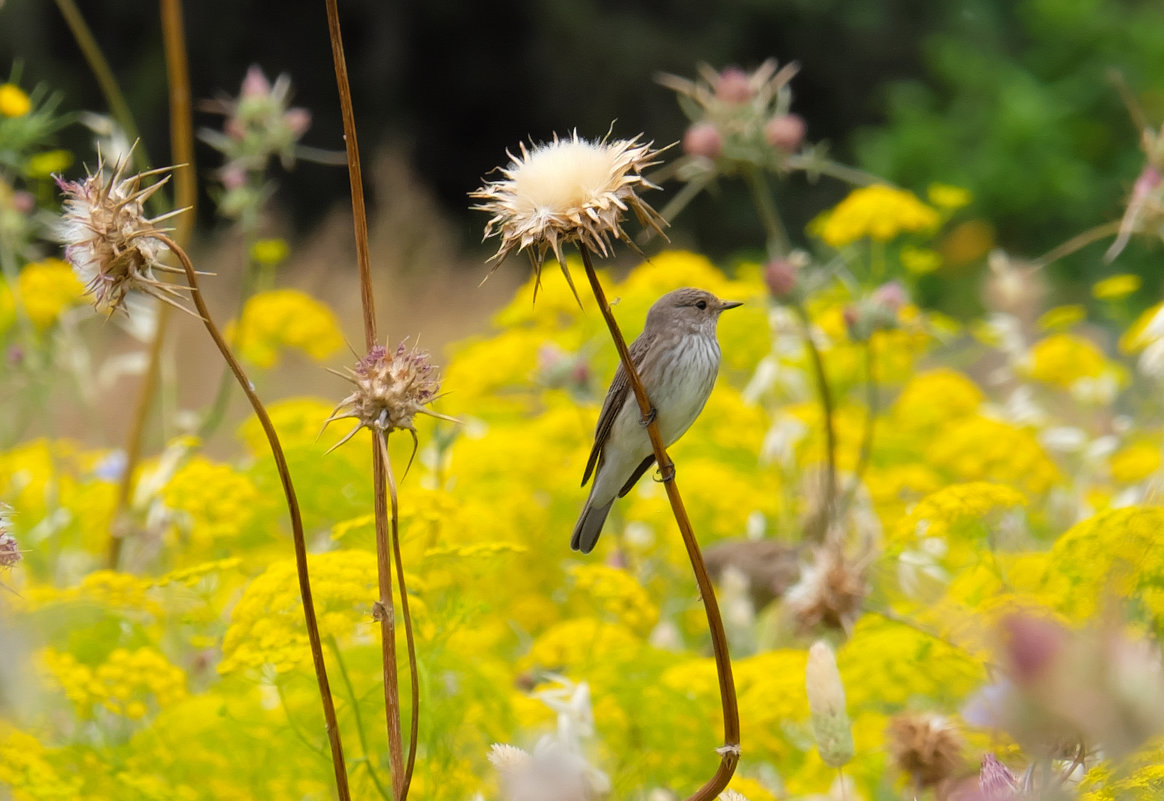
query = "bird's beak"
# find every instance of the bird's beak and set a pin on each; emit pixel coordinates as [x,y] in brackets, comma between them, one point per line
[724,305]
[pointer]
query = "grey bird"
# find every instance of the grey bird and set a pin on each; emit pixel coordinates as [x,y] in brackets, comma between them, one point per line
[677,357]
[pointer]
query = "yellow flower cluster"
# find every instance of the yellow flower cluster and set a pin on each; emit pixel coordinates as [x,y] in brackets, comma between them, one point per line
[1062,360]
[47,289]
[285,318]
[214,501]
[128,683]
[618,594]
[977,448]
[13,101]
[941,511]
[267,627]
[878,212]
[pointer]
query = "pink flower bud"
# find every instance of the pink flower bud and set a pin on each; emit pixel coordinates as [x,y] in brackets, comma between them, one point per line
[733,86]
[233,176]
[1149,179]
[702,139]
[1032,646]
[785,132]
[23,202]
[297,120]
[891,295]
[255,84]
[781,276]
[234,128]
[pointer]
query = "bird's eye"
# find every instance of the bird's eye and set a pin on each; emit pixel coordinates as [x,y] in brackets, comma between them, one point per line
[701,304]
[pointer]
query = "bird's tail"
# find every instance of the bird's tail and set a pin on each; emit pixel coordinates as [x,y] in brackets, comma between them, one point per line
[589,526]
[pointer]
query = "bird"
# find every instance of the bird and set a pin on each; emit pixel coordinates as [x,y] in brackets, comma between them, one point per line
[677,357]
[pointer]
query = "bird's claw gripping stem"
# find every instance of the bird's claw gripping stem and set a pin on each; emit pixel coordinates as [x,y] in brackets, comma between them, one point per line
[650,417]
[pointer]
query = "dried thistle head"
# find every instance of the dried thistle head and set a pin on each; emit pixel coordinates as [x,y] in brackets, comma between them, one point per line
[391,389]
[568,190]
[830,591]
[927,747]
[110,242]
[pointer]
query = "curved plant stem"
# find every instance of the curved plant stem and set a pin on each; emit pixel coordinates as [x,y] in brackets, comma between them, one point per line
[414,719]
[823,516]
[337,753]
[367,758]
[401,776]
[730,752]
[186,196]
[104,75]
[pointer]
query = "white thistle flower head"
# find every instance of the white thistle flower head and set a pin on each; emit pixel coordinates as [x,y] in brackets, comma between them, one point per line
[551,773]
[568,190]
[108,239]
[391,389]
[732,795]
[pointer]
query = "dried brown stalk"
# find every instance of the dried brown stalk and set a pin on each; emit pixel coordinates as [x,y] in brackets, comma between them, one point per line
[333,735]
[730,752]
[381,468]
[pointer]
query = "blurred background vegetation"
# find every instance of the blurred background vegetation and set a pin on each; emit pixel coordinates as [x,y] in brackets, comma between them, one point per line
[1013,100]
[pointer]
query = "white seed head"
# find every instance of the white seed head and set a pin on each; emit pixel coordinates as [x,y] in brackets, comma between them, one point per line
[568,190]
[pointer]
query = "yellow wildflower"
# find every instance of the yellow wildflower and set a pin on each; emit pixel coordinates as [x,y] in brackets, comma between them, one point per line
[267,628]
[579,643]
[940,511]
[879,212]
[32,770]
[976,448]
[128,683]
[215,501]
[48,162]
[285,318]
[1136,338]
[1061,360]
[47,288]
[920,261]
[1113,555]
[935,397]
[13,101]
[948,197]
[1116,286]
[1061,318]
[1134,462]
[270,252]
[618,594]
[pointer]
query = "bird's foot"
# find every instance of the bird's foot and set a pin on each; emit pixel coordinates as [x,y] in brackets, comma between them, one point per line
[650,418]
[665,473]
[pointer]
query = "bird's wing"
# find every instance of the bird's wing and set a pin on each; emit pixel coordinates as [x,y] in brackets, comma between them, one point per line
[636,475]
[615,398]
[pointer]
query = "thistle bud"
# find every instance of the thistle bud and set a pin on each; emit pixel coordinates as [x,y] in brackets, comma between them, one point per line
[702,139]
[785,132]
[781,277]
[733,86]
[826,700]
